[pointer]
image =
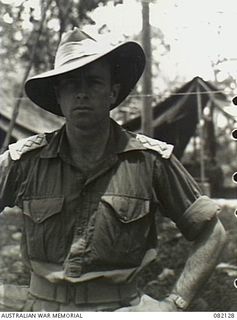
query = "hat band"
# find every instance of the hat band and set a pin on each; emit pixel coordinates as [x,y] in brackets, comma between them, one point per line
[76,50]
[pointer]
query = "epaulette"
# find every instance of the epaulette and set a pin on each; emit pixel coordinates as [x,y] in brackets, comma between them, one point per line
[22,146]
[163,148]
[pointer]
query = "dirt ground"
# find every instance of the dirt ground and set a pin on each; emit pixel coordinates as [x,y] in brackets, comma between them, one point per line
[218,294]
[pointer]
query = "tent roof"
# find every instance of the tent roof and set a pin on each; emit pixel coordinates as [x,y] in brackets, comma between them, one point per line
[175,119]
[31,119]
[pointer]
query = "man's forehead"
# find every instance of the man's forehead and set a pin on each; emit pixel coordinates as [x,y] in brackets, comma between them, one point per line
[97,66]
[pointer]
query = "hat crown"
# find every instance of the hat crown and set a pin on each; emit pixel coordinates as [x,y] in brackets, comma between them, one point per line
[74,35]
[75,44]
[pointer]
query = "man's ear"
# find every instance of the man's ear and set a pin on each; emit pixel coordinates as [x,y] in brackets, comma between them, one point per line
[114,92]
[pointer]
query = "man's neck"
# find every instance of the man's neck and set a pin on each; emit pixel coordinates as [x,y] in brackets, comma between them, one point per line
[87,147]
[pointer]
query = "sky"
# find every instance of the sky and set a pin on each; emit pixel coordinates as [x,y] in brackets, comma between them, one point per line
[200,33]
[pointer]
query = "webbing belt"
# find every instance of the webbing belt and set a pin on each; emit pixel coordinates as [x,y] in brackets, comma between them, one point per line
[97,291]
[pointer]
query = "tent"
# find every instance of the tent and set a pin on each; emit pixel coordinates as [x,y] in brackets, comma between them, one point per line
[176,118]
[31,120]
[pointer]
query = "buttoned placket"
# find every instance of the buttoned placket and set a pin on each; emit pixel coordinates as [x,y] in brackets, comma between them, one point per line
[73,264]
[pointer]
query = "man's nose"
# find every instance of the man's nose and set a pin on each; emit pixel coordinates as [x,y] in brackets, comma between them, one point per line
[82,89]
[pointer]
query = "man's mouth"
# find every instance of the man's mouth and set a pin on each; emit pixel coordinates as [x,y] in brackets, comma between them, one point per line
[82,108]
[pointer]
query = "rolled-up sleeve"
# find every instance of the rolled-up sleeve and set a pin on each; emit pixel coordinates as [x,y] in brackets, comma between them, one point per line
[9,177]
[180,198]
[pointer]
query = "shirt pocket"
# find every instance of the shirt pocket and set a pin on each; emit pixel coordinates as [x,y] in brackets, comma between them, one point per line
[43,227]
[122,230]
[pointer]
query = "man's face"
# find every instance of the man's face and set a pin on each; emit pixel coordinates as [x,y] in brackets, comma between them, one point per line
[86,94]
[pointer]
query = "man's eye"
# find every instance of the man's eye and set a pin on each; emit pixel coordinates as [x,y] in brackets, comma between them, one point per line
[95,81]
[66,82]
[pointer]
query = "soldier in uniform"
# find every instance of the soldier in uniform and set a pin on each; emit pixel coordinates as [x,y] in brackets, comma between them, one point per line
[89,192]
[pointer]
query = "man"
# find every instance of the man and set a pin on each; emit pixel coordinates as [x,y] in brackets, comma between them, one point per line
[89,192]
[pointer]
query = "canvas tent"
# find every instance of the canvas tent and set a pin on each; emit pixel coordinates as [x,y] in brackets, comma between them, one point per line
[31,120]
[176,118]
[189,113]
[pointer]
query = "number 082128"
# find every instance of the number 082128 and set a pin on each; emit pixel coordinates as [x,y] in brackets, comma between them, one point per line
[224,315]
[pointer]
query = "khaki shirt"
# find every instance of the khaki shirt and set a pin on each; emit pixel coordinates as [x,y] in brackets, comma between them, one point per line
[79,227]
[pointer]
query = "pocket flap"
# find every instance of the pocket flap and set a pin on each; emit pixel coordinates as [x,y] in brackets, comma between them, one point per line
[41,209]
[127,209]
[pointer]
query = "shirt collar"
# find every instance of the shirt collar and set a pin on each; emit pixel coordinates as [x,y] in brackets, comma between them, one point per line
[55,141]
[120,141]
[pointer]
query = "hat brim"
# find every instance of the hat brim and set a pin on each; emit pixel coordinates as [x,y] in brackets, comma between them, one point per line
[234,100]
[131,59]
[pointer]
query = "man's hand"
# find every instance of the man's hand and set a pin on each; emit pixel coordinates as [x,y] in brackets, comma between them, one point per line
[148,304]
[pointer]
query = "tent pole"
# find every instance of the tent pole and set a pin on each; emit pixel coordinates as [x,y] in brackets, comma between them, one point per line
[147,112]
[201,136]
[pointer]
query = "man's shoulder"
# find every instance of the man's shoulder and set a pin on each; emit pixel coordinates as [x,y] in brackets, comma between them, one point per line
[163,148]
[17,149]
[128,141]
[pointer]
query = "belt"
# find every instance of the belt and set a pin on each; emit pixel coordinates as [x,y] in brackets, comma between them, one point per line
[89,292]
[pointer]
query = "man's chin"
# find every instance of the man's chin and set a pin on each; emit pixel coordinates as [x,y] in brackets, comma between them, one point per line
[87,123]
[84,124]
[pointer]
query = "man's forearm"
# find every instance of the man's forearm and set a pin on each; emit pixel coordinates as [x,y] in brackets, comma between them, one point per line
[197,269]
[201,261]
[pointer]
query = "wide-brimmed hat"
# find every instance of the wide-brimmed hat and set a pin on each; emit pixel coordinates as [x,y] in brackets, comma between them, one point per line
[78,49]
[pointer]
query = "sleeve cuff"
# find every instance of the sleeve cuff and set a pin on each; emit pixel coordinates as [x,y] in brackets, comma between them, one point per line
[196,216]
